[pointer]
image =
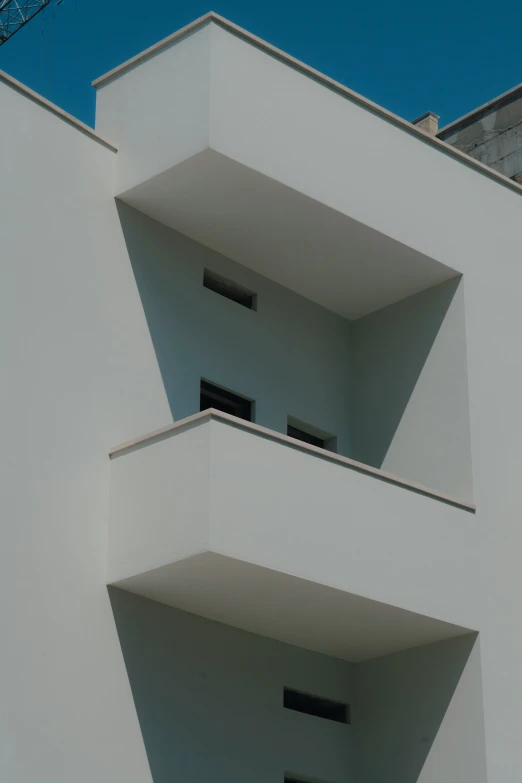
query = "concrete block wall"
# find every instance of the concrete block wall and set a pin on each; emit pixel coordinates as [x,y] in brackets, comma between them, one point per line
[492,136]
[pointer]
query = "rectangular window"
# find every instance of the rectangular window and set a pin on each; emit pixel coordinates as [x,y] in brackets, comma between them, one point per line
[211,396]
[315,705]
[230,290]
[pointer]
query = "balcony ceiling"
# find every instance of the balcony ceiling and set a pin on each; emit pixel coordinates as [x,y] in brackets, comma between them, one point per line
[297,241]
[287,608]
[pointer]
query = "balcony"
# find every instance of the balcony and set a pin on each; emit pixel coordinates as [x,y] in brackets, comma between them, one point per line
[259,158]
[240,524]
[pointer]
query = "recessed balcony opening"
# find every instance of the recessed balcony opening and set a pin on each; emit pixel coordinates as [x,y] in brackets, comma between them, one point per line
[404,704]
[387,388]
[183,535]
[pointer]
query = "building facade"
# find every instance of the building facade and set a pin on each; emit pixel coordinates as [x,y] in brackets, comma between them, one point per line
[261,468]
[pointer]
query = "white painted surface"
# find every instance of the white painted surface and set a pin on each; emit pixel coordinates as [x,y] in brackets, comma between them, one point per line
[458,750]
[80,375]
[78,372]
[308,518]
[285,235]
[290,356]
[418,715]
[287,608]
[433,441]
[152,135]
[341,528]
[210,699]
[10,81]
[190,102]
[146,530]
[411,390]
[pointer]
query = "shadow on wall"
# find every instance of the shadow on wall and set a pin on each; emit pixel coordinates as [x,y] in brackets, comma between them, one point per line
[401,704]
[391,387]
[209,699]
[391,349]
[289,355]
[166,310]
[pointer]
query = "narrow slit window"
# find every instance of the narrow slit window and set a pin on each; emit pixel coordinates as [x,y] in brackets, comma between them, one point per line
[229,289]
[316,705]
[211,396]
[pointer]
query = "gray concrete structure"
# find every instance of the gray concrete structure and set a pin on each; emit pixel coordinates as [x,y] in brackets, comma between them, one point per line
[321,581]
[492,133]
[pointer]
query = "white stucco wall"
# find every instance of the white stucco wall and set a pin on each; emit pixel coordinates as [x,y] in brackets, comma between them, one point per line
[291,511]
[209,696]
[210,699]
[78,373]
[81,374]
[413,191]
[458,749]
[411,403]
[291,356]
[418,715]
[127,110]
[384,385]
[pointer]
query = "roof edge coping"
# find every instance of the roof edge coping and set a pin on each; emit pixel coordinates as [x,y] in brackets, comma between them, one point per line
[307,70]
[212,414]
[10,81]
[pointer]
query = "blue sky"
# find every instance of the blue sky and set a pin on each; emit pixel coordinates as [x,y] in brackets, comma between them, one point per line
[407,56]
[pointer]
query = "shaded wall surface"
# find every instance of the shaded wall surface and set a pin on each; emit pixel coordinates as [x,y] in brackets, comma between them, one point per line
[391,387]
[291,356]
[411,390]
[412,704]
[209,699]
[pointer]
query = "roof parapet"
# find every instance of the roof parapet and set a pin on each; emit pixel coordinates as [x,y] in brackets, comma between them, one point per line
[411,127]
[5,78]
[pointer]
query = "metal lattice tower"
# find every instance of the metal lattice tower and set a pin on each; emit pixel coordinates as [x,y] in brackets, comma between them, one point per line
[14,14]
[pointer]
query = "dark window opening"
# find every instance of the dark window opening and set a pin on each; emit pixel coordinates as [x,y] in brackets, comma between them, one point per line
[229,290]
[301,779]
[315,705]
[211,396]
[298,779]
[306,433]
[305,437]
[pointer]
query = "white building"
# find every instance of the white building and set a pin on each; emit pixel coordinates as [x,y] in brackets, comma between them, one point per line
[343,607]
